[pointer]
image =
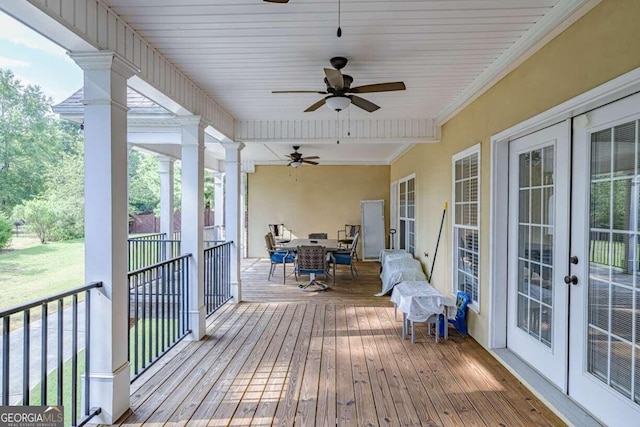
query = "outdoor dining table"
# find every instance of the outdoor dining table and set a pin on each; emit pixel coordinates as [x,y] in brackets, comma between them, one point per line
[420,302]
[330,244]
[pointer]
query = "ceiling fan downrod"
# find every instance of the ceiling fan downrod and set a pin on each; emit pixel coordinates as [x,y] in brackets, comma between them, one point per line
[339,33]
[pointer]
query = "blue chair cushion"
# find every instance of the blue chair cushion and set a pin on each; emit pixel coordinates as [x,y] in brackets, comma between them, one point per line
[280,257]
[342,258]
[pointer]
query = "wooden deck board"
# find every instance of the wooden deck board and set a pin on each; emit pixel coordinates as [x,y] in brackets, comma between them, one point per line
[326,358]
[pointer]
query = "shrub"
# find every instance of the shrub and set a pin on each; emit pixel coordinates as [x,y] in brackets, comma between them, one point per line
[39,216]
[5,232]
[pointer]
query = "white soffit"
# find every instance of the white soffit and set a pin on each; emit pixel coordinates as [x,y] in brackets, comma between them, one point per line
[445,51]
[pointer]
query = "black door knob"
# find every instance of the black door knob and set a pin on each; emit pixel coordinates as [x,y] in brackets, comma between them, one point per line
[571,280]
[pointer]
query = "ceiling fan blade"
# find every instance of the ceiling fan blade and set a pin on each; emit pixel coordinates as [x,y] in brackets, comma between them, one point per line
[379,87]
[277,1]
[334,77]
[363,103]
[315,106]
[299,91]
[309,162]
[311,158]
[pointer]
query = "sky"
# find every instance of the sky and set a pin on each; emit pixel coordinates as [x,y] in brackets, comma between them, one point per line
[35,59]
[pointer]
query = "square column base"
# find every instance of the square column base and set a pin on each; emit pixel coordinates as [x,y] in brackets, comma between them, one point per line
[112,391]
[198,324]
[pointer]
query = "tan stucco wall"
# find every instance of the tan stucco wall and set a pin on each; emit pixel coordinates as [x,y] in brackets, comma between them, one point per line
[602,45]
[311,199]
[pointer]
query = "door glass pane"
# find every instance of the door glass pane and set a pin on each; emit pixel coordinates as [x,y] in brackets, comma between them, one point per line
[614,289]
[535,243]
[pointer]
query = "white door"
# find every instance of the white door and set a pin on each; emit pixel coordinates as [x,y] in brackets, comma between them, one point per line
[538,250]
[372,229]
[604,368]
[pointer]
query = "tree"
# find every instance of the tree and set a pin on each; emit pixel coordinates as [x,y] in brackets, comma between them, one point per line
[64,193]
[30,140]
[39,217]
[5,232]
[144,182]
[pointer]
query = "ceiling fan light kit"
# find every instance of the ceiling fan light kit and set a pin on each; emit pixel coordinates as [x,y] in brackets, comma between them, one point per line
[298,160]
[338,102]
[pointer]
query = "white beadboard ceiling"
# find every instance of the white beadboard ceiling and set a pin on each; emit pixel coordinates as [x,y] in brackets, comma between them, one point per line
[238,51]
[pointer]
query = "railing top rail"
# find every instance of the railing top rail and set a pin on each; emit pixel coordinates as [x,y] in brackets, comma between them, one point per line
[154,240]
[50,298]
[147,236]
[218,244]
[156,265]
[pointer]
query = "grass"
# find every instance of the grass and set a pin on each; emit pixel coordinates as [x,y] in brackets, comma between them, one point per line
[39,271]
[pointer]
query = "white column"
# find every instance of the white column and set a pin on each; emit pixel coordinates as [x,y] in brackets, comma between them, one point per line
[106,227]
[233,212]
[166,200]
[192,221]
[218,196]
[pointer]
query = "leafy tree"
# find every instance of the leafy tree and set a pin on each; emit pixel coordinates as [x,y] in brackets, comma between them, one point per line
[65,194]
[30,139]
[144,182]
[5,232]
[39,216]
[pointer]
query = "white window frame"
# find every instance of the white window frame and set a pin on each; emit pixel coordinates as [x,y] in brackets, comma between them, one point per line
[473,150]
[406,180]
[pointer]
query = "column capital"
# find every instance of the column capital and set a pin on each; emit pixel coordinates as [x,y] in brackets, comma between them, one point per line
[104,60]
[164,158]
[233,146]
[190,121]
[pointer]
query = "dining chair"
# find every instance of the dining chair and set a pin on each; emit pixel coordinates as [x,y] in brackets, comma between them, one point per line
[347,236]
[280,233]
[278,257]
[312,261]
[318,235]
[346,257]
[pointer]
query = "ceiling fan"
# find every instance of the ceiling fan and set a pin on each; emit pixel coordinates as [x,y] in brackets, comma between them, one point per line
[340,91]
[297,160]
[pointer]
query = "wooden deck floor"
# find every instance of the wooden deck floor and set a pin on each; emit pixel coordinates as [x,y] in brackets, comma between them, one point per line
[331,358]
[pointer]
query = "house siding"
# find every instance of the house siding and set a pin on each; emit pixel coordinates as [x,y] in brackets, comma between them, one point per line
[600,46]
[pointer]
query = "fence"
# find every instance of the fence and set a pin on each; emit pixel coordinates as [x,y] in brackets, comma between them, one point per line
[49,329]
[217,276]
[615,250]
[158,311]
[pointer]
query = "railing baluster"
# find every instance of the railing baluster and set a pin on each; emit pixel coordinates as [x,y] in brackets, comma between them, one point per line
[60,350]
[26,355]
[87,350]
[5,360]
[74,361]
[136,333]
[43,353]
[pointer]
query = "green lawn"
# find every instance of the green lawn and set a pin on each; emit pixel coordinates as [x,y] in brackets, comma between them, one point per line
[39,271]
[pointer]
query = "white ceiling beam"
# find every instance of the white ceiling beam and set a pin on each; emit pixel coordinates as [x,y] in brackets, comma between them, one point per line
[382,130]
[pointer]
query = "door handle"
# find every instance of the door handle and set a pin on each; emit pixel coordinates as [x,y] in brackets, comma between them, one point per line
[571,280]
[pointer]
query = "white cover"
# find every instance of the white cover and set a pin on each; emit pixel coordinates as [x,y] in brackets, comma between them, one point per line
[399,270]
[386,253]
[419,300]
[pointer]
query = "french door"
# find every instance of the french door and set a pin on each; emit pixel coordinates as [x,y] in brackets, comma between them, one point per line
[538,250]
[604,368]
